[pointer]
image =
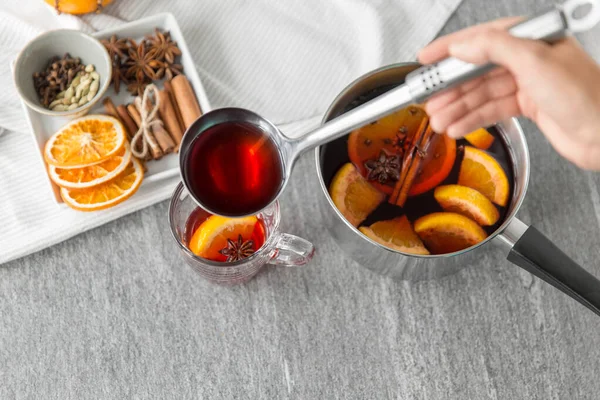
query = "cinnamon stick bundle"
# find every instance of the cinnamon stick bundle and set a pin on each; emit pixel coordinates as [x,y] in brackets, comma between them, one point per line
[167,145]
[186,100]
[169,117]
[155,149]
[169,90]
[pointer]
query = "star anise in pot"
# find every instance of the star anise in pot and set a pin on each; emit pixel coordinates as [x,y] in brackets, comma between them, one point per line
[163,47]
[238,250]
[116,47]
[384,168]
[141,63]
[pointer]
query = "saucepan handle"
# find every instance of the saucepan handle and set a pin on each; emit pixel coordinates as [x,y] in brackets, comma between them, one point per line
[535,253]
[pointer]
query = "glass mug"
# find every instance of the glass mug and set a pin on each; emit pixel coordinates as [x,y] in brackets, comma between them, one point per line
[279,248]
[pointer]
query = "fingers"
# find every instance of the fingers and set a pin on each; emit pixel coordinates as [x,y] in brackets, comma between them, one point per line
[486,115]
[443,99]
[493,88]
[438,49]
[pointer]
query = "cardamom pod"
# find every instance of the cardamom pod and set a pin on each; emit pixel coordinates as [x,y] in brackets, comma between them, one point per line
[70,92]
[55,102]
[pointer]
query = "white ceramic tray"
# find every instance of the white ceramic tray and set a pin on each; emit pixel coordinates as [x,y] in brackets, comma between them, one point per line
[43,126]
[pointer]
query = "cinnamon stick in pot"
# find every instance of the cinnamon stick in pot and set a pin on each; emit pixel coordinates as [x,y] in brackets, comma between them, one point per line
[169,117]
[186,100]
[169,90]
[155,149]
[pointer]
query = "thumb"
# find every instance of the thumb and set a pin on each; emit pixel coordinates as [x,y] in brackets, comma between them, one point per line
[501,48]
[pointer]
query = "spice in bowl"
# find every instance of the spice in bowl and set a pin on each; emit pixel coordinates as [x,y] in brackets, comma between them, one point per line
[66,83]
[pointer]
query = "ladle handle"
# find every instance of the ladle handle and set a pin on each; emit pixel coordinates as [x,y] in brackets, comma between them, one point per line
[536,254]
[549,26]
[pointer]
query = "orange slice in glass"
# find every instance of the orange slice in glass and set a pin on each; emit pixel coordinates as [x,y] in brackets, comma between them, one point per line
[386,134]
[85,141]
[107,194]
[468,202]
[86,177]
[446,232]
[396,234]
[353,195]
[480,138]
[212,235]
[437,165]
[481,172]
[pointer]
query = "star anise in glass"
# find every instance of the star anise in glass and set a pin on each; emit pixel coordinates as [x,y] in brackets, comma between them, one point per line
[384,168]
[238,250]
[115,46]
[163,47]
[141,63]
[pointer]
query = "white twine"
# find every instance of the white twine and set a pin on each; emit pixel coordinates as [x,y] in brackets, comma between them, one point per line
[147,120]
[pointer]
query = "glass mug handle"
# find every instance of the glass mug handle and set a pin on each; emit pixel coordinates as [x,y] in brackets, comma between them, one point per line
[291,251]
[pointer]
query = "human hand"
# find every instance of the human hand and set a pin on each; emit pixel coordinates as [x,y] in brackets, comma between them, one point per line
[557,86]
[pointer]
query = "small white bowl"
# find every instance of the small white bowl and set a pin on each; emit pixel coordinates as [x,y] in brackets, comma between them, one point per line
[35,56]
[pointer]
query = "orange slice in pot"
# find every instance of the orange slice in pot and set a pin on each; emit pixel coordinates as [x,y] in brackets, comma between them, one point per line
[86,177]
[468,202]
[107,194]
[437,165]
[446,232]
[480,138]
[85,141]
[353,195]
[390,134]
[396,234]
[482,172]
[212,235]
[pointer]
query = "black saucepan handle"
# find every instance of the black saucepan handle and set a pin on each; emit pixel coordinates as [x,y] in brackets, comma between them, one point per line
[535,253]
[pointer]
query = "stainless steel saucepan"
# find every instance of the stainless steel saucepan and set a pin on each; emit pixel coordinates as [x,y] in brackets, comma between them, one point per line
[524,245]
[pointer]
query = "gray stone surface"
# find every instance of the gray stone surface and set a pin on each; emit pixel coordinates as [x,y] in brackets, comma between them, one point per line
[115,313]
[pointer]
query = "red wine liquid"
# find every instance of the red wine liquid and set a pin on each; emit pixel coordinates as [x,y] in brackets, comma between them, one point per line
[233,169]
[199,215]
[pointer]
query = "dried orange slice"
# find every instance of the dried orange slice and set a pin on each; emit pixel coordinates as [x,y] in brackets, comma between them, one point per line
[86,177]
[446,232]
[437,165]
[481,172]
[468,202]
[107,194]
[391,134]
[353,195]
[85,141]
[480,138]
[396,234]
[212,235]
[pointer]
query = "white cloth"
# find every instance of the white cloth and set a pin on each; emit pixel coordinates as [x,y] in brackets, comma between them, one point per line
[286,60]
